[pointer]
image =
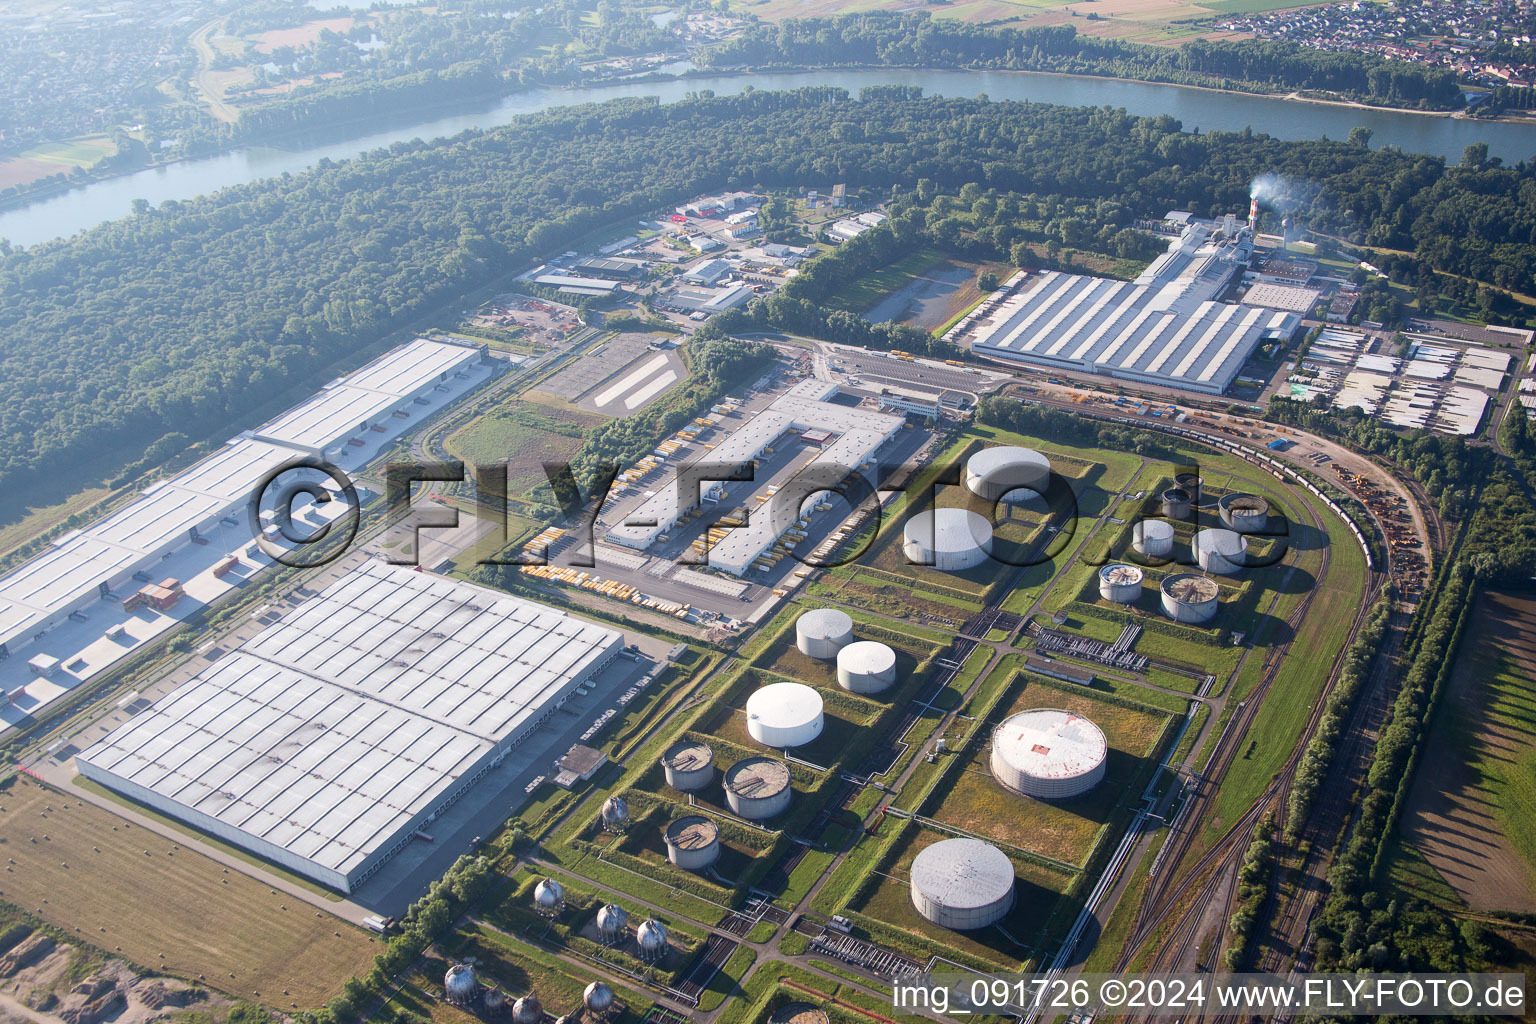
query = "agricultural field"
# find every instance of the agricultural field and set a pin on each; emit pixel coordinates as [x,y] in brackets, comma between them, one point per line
[1068,831]
[53,158]
[524,436]
[1474,796]
[131,891]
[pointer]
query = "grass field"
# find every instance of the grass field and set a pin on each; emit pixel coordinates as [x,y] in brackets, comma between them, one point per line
[1063,830]
[130,890]
[871,288]
[525,437]
[51,158]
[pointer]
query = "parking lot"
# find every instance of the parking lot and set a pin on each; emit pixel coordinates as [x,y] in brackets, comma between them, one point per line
[598,364]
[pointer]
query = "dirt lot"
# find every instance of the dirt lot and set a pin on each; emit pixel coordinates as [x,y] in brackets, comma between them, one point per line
[130,891]
[303,35]
[1470,811]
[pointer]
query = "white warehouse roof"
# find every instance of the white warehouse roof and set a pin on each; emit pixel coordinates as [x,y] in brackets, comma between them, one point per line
[324,740]
[1164,327]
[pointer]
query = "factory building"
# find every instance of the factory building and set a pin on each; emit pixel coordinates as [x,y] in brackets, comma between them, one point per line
[326,741]
[1166,327]
[809,405]
[962,884]
[784,714]
[949,539]
[1048,754]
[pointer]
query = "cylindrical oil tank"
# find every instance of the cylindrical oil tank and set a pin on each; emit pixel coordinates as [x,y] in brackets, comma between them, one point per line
[1188,597]
[1244,513]
[1177,503]
[867,666]
[693,842]
[993,472]
[689,765]
[822,632]
[949,539]
[799,1013]
[1048,754]
[962,884]
[1153,538]
[1221,551]
[1120,583]
[758,787]
[784,715]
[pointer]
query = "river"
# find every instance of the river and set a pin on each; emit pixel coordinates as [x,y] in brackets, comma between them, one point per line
[84,207]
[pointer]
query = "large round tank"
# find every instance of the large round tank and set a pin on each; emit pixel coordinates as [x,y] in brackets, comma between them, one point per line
[949,539]
[689,765]
[784,714]
[822,632]
[598,998]
[548,896]
[758,787]
[1153,538]
[993,472]
[615,814]
[1244,513]
[527,1010]
[866,667]
[1048,754]
[693,842]
[1177,503]
[1221,551]
[799,1013]
[459,984]
[1120,583]
[651,938]
[1188,597]
[611,922]
[962,884]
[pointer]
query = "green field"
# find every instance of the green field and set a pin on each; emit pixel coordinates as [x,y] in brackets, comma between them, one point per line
[524,436]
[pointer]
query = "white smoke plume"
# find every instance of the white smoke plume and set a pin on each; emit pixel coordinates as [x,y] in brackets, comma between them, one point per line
[1280,193]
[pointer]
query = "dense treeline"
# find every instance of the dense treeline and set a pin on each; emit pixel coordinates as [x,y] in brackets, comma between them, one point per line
[914,39]
[1252,890]
[186,318]
[336,104]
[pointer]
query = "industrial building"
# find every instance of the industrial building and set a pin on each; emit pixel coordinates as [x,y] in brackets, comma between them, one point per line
[962,884]
[809,405]
[822,632]
[326,741]
[784,714]
[758,787]
[1048,754]
[948,539]
[994,472]
[1166,327]
[1189,597]
[867,666]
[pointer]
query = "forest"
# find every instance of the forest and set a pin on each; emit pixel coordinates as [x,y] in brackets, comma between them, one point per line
[186,318]
[914,39]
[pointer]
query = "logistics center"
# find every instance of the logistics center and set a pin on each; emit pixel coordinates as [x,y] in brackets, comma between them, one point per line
[327,741]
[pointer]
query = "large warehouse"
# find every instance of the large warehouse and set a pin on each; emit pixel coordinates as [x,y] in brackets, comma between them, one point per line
[206,504]
[324,742]
[806,406]
[1166,327]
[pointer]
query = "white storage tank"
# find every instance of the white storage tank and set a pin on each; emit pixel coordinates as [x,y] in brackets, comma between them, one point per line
[651,938]
[1178,503]
[548,897]
[962,884]
[615,814]
[693,842]
[949,539]
[611,922]
[867,666]
[460,985]
[1120,583]
[1048,754]
[784,715]
[1221,551]
[1188,597]
[758,787]
[527,1010]
[822,632]
[689,765]
[1244,513]
[598,998]
[993,472]
[1153,538]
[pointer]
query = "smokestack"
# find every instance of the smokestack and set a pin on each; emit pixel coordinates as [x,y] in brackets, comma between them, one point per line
[1253,213]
